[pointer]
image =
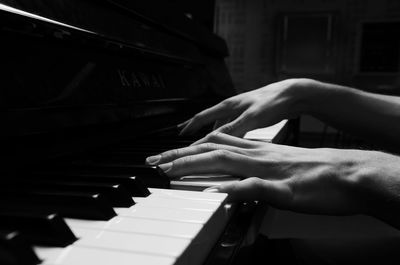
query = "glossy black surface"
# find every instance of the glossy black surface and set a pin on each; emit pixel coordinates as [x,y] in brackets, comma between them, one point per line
[88,90]
[15,249]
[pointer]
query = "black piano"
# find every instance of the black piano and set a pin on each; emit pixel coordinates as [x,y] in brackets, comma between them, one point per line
[89,89]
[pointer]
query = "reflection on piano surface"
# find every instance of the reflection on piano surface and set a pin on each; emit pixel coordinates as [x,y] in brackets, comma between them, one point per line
[89,89]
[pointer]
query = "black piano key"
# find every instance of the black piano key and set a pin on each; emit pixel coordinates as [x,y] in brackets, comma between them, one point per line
[140,189]
[15,249]
[116,193]
[40,229]
[133,185]
[76,205]
[122,158]
[152,176]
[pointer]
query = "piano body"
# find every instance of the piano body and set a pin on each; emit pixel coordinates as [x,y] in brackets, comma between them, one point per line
[88,90]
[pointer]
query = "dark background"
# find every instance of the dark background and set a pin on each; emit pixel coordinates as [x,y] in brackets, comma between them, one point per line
[349,42]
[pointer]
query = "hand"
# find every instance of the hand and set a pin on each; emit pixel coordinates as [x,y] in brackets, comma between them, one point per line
[318,181]
[258,108]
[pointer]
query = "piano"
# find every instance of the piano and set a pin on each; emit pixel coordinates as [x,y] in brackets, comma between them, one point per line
[89,89]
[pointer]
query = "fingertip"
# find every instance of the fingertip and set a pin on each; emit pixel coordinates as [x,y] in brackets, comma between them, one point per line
[227,188]
[165,167]
[183,124]
[153,160]
[212,189]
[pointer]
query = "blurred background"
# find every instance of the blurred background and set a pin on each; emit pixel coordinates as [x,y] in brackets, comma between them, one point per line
[350,42]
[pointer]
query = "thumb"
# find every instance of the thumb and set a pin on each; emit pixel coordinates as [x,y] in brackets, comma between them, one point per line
[274,192]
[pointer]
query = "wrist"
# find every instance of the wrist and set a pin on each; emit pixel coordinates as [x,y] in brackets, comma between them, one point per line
[377,183]
[319,98]
[304,93]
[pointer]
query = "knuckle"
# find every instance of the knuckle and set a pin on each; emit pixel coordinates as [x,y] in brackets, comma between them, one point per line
[227,103]
[196,117]
[251,114]
[227,128]
[256,186]
[208,147]
[254,182]
[222,155]
[171,153]
[184,160]
[213,136]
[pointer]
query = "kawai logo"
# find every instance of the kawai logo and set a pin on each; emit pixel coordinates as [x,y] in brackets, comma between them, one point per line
[140,79]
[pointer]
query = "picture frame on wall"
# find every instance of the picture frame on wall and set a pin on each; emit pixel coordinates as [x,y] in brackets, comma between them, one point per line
[306,44]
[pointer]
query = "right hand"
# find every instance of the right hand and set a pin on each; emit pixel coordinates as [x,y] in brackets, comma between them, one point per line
[254,109]
[316,181]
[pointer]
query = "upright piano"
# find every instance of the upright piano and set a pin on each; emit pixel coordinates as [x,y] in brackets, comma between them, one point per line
[89,89]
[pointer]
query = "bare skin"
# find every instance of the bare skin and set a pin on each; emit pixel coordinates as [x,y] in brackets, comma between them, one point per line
[319,181]
[368,115]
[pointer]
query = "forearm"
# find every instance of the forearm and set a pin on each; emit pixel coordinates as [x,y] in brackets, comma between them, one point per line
[377,182]
[371,116]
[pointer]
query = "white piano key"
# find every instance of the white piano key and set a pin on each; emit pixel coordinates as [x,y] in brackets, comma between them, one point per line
[166,202]
[137,243]
[140,225]
[75,255]
[266,134]
[49,254]
[191,195]
[158,213]
[171,227]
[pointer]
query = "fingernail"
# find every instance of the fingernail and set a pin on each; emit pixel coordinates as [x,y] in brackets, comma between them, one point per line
[211,189]
[165,167]
[180,125]
[153,159]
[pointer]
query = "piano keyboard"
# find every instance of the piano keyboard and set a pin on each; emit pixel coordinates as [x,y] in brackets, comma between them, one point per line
[167,227]
[99,210]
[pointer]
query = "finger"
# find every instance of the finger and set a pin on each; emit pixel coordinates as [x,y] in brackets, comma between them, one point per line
[214,162]
[220,122]
[239,126]
[226,139]
[183,124]
[276,193]
[171,155]
[219,111]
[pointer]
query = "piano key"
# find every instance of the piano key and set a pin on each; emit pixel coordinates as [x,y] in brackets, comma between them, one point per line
[132,242]
[152,176]
[182,194]
[134,185]
[44,229]
[180,234]
[80,255]
[165,202]
[159,213]
[122,158]
[141,225]
[78,205]
[202,231]
[15,249]
[115,193]
[217,219]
